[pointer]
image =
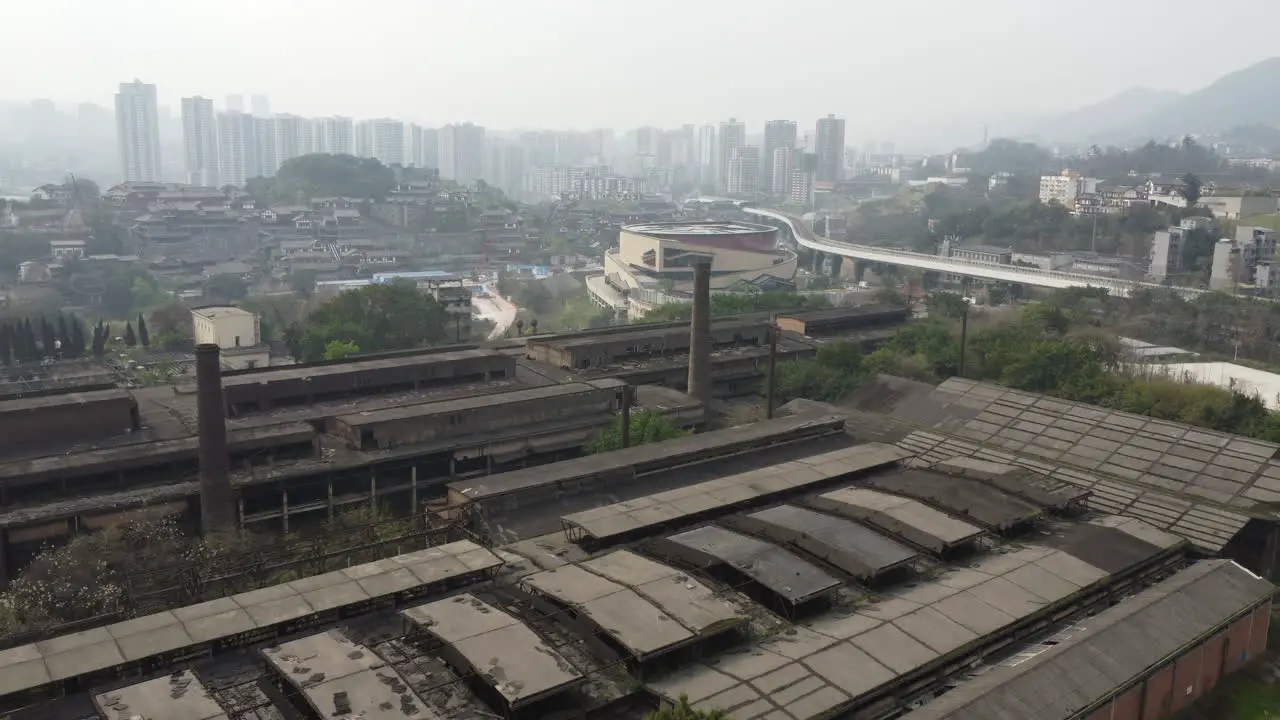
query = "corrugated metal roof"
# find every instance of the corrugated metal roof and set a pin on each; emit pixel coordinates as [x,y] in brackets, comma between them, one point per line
[1111,649]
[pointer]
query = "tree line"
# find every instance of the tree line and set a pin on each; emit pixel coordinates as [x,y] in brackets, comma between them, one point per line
[25,341]
[1054,347]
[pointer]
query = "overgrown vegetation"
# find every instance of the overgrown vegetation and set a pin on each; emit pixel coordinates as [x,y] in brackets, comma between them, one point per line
[683,710]
[145,562]
[647,426]
[1053,347]
[374,318]
[322,175]
[732,304]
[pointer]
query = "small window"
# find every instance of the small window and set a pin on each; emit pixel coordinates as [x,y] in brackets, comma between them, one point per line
[237,341]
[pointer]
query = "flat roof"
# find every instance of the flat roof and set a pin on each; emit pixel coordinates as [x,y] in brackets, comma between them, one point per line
[844,312]
[314,371]
[967,498]
[29,666]
[717,227]
[177,696]
[643,333]
[340,678]
[780,571]
[216,311]
[640,455]
[1113,648]
[28,404]
[854,548]
[824,666]
[444,407]
[687,502]
[645,606]
[907,518]
[134,454]
[1112,546]
[509,655]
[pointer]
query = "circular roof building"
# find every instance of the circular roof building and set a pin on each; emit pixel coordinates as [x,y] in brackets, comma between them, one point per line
[745,236]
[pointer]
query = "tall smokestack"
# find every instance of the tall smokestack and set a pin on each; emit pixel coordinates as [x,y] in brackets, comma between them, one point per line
[700,334]
[217,505]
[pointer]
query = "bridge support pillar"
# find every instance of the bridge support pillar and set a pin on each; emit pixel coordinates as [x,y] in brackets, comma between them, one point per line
[817,262]
[836,262]
[929,281]
[859,269]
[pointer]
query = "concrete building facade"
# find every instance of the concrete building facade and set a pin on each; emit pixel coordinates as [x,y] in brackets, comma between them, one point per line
[1065,188]
[829,147]
[461,153]
[744,171]
[138,132]
[200,141]
[226,326]
[779,135]
[733,135]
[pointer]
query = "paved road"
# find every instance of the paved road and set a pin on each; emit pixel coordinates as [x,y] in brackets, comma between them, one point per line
[497,310]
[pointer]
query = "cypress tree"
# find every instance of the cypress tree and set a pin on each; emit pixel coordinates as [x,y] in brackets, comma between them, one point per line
[77,338]
[143,336]
[6,344]
[130,339]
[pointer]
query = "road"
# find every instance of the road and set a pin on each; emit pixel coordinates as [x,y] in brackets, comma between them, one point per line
[988,271]
[497,310]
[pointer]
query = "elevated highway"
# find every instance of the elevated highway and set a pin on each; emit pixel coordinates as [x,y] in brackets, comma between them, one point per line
[932,263]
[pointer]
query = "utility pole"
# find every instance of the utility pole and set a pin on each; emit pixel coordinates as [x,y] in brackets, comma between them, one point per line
[772,380]
[964,335]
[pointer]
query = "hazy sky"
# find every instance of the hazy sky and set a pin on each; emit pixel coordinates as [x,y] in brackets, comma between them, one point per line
[594,63]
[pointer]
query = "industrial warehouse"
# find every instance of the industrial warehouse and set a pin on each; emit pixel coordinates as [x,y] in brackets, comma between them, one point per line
[964,551]
[306,441]
[778,570]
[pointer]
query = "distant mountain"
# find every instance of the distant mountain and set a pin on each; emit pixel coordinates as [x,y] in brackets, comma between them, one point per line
[1114,115]
[1245,97]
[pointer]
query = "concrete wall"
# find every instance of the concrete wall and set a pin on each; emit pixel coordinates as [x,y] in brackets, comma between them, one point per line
[440,423]
[1235,208]
[225,327]
[69,418]
[293,385]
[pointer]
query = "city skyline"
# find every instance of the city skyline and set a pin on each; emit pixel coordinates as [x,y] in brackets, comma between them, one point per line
[534,64]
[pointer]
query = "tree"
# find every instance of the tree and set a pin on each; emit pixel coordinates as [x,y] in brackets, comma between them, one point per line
[172,325]
[323,175]
[77,338]
[647,426]
[1191,188]
[143,336]
[375,318]
[130,339]
[303,282]
[129,288]
[48,339]
[226,287]
[682,710]
[339,349]
[520,327]
[946,305]
[64,335]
